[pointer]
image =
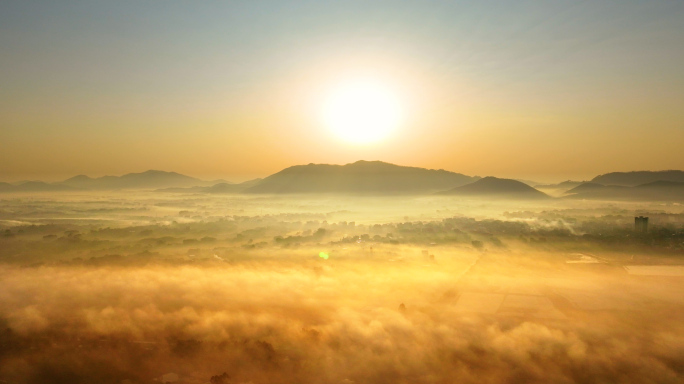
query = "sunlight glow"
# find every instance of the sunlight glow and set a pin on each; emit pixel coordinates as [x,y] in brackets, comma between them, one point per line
[362,112]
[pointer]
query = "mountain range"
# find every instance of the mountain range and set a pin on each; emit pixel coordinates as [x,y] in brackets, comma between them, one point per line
[220,188]
[34,186]
[380,178]
[632,179]
[654,191]
[143,180]
[359,177]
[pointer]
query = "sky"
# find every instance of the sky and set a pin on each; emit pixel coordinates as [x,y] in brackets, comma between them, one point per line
[542,90]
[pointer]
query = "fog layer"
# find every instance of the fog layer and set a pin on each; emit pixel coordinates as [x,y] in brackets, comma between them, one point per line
[534,295]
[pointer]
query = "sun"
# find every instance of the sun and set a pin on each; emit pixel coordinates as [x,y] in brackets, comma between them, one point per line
[362,112]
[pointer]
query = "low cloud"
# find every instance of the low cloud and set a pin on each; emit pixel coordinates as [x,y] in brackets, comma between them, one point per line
[316,321]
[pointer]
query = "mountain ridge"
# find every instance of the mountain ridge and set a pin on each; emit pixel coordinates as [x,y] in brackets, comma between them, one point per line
[369,177]
[660,190]
[493,186]
[141,180]
[634,178]
[359,177]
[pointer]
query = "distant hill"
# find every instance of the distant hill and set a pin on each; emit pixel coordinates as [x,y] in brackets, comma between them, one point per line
[39,186]
[632,179]
[661,184]
[653,191]
[558,189]
[361,177]
[589,187]
[223,188]
[219,181]
[495,187]
[219,188]
[531,183]
[568,184]
[34,186]
[143,180]
[232,188]
[79,181]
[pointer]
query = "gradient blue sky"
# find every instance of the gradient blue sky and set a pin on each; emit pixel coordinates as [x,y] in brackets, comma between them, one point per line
[546,90]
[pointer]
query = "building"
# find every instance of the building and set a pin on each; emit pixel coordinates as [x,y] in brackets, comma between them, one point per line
[641,224]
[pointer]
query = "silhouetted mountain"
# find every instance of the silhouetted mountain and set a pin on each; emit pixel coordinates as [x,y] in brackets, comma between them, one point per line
[565,185]
[632,179]
[34,186]
[78,179]
[143,180]
[495,187]
[232,188]
[590,187]
[219,181]
[531,183]
[662,184]
[20,182]
[223,188]
[218,188]
[359,177]
[654,191]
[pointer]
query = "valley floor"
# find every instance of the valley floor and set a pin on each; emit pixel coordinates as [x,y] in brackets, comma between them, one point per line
[149,287]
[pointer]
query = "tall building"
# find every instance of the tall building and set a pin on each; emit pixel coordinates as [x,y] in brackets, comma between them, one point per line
[641,224]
